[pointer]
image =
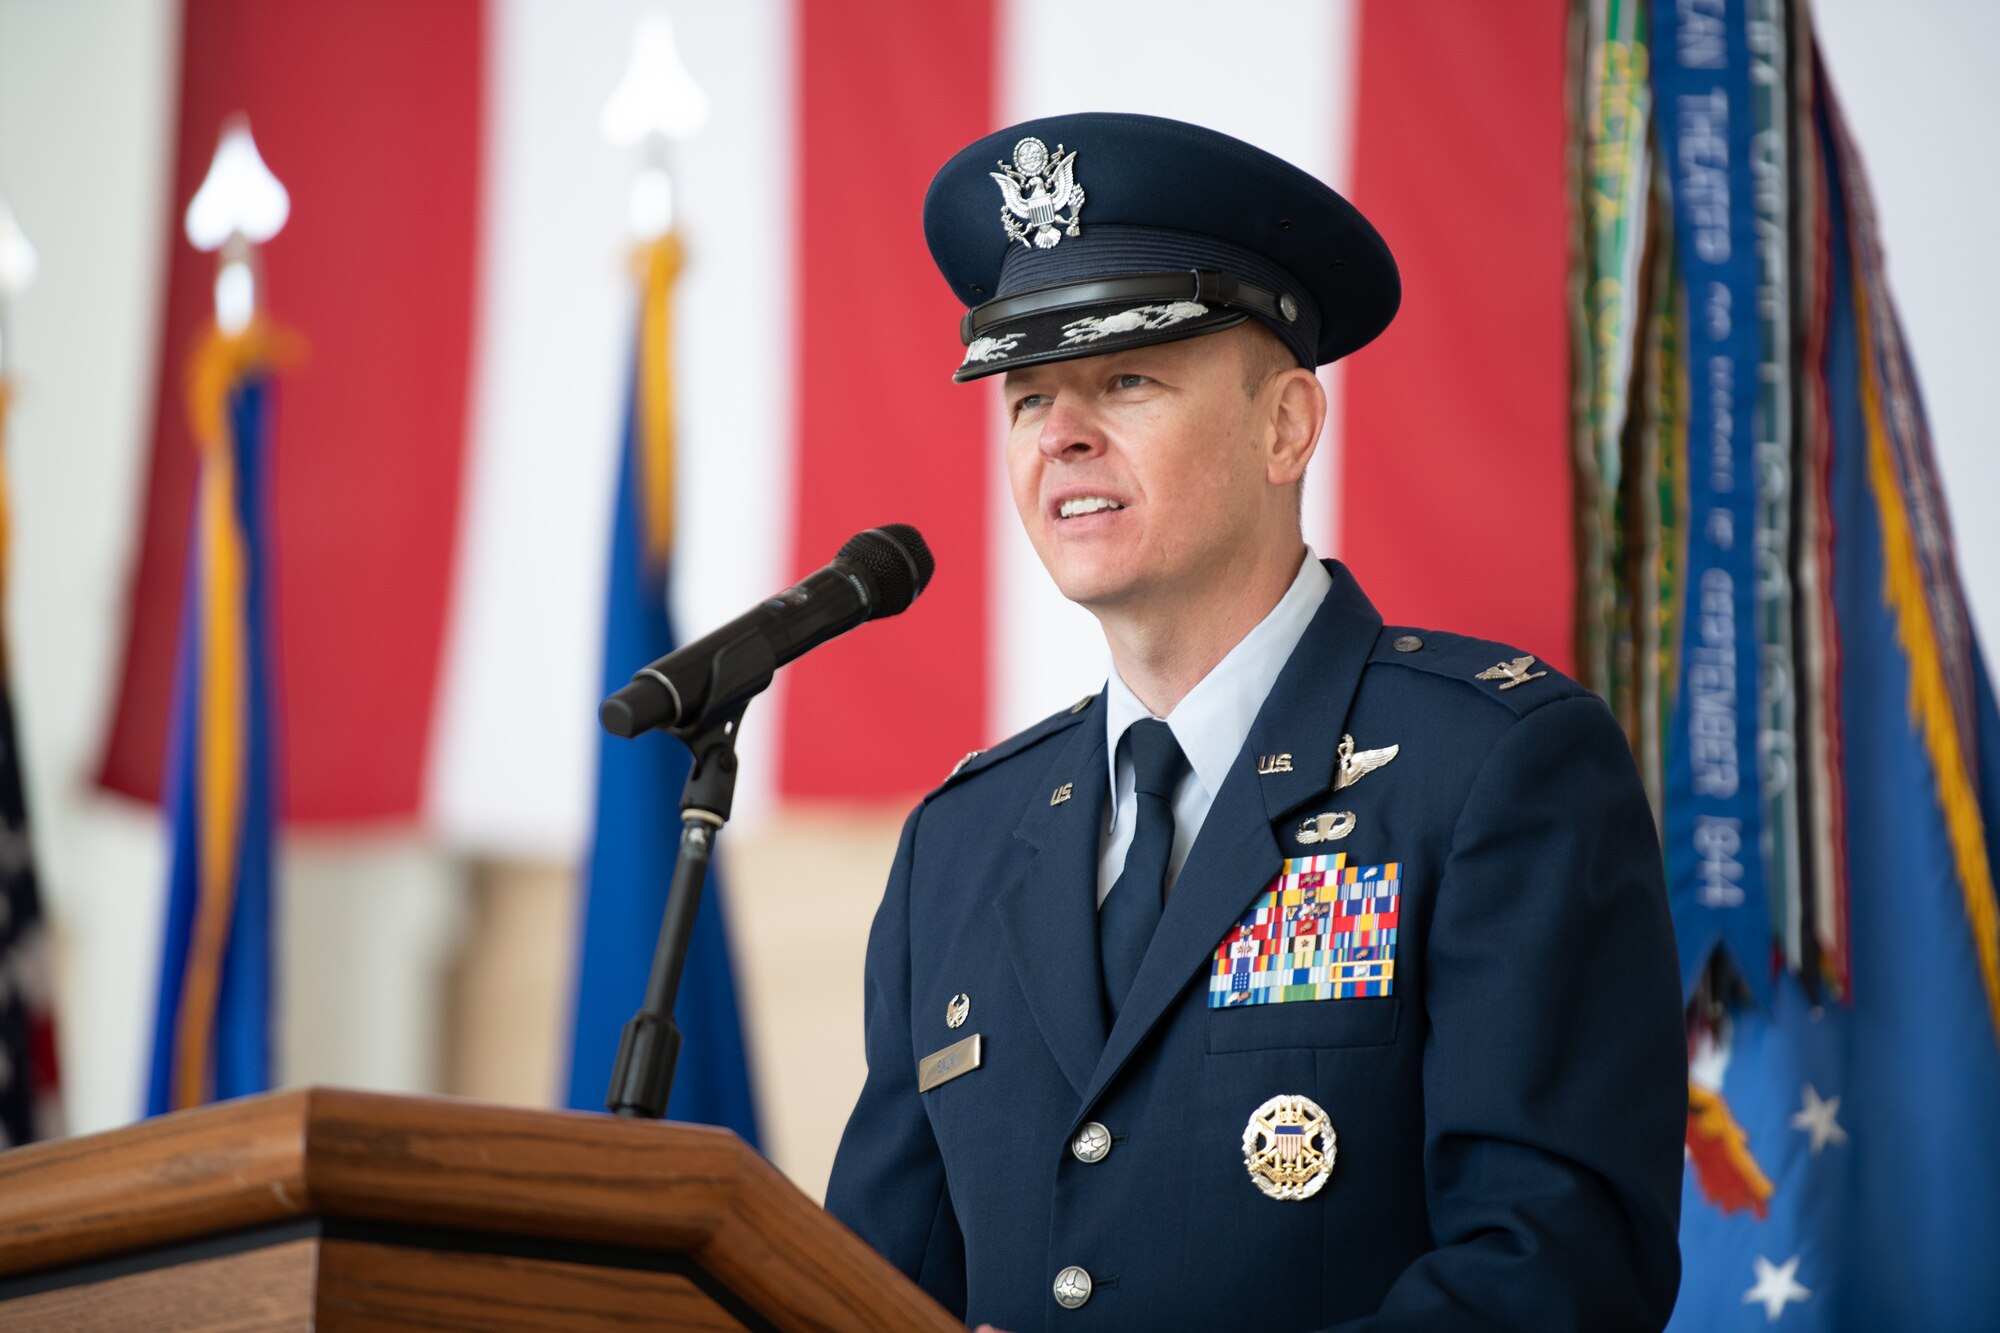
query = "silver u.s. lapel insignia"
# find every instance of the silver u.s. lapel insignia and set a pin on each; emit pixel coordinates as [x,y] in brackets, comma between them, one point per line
[1037,188]
[1514,673]
[1329,827]
[1288,1147]
[1358,764]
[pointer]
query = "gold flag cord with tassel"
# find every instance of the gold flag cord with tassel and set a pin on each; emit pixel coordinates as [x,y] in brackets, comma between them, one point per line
[221,659]
[658,263]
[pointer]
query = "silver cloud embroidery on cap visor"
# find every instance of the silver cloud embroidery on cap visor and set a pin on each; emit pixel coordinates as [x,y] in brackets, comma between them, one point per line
[990,349]
[1145,317]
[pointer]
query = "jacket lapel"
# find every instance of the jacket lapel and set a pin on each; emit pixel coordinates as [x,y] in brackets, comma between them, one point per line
[1237,852]
[1049,916]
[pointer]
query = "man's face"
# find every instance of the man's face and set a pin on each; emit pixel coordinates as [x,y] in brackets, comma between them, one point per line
[1141,476]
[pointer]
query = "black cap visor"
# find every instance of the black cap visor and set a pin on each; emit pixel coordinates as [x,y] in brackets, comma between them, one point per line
[1071,320]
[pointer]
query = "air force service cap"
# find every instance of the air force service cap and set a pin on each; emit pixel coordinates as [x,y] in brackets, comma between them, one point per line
[1078,235]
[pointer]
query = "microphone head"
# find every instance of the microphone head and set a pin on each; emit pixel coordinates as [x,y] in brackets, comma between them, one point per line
[615,715]
[895,564]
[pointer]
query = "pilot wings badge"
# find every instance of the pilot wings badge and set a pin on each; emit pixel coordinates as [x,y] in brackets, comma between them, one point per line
[1356,765]
[1037,188]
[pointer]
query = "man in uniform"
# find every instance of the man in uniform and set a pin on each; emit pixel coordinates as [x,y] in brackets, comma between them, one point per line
[1316,972]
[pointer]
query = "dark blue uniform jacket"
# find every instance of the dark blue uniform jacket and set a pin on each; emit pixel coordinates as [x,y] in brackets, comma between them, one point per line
[1508,1120]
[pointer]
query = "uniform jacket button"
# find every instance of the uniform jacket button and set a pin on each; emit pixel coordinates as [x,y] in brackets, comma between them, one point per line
[1072,1287]
[1092,1143]
[1408,643]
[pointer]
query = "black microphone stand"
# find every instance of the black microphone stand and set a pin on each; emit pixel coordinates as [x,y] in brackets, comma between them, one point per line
[644,1074]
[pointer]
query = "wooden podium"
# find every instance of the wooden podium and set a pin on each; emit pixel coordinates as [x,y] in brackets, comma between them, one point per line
[331,1209]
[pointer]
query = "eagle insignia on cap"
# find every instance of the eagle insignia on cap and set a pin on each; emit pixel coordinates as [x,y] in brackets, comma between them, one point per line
[1038,187]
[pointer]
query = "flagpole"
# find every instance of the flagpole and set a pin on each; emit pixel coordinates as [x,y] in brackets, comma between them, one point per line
[18,266]
[206,1043]
[238,208]
[655,104]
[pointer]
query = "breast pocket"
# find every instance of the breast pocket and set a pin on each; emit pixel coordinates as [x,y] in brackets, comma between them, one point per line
[1312,962]
[1305,1024]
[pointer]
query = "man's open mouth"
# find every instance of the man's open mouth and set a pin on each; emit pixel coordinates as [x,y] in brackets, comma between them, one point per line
[1087,504]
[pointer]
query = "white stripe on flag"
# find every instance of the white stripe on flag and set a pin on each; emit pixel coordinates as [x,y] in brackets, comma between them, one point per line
[734,343]
[1278,73]
[512,756]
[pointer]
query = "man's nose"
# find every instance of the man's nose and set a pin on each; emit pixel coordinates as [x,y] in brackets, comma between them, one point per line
[1071,430]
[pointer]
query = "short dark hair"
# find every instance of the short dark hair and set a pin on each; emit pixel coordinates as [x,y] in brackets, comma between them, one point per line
[1264,355]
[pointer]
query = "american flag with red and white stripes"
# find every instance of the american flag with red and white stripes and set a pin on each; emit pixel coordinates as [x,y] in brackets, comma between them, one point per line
[30,1103]
[30,1099]
[454,265]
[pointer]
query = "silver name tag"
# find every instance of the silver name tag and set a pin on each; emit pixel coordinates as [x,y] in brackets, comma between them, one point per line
[961,1057]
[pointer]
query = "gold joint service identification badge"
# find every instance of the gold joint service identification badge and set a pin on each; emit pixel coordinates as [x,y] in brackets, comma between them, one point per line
[1288,1147]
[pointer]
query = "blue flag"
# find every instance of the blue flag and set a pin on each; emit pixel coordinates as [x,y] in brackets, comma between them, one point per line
[1778,558]
[1872,1121]
[638,833]
[212,1025]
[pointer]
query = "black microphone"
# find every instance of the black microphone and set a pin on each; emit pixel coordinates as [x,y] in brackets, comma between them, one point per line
[877,573]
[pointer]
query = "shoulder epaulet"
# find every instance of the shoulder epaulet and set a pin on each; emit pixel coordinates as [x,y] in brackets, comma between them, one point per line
[980,760]
[1517,680]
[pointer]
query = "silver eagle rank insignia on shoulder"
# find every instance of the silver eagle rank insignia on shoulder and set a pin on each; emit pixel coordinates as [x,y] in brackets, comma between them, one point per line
[1514,673]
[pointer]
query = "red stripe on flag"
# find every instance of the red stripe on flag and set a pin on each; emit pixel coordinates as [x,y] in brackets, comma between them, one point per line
[1455,503]
[883,434]
[369,111]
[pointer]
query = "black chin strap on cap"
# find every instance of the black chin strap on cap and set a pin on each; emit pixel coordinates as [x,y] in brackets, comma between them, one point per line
[1211,287]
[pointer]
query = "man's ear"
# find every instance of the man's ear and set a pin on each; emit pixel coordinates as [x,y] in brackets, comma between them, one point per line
[1297,412]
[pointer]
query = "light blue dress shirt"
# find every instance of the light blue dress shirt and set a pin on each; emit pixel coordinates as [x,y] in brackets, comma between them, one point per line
[1211,723]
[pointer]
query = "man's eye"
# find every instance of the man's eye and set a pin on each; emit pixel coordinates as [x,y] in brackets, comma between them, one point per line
[1029,402]
[1133,381]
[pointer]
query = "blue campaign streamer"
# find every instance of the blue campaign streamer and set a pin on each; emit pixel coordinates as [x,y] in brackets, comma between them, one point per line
[240,1045]
[1714,811]
[632,852]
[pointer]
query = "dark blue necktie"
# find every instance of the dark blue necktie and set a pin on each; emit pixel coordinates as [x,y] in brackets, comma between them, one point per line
[1131,911]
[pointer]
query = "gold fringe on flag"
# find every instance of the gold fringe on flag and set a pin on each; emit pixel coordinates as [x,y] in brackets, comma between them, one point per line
[1931,704]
